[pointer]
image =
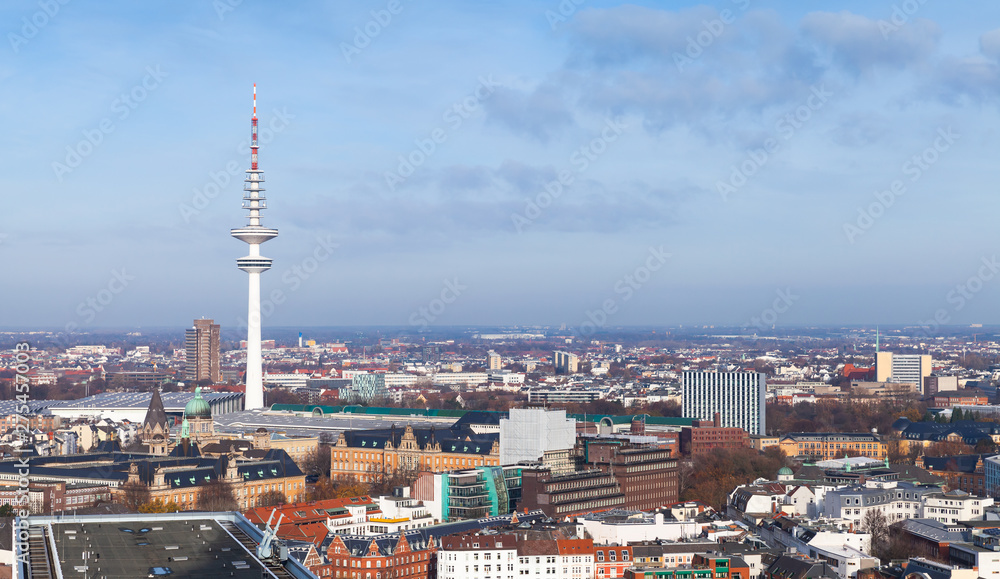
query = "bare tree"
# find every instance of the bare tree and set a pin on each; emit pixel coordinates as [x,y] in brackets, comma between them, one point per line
[271,499]
[381,480]
[317,462]
[217,495]
[875,524]
[133,495]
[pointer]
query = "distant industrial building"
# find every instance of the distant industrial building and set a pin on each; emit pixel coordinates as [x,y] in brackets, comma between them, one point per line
[739,398]
[201,349]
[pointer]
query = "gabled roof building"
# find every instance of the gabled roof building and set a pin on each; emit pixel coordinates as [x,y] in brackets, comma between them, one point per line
[368,454]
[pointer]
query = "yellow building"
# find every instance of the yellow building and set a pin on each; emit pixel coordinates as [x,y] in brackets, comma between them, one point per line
[297,447]
[176,478]
[826,445]
[762,442]
[367,453]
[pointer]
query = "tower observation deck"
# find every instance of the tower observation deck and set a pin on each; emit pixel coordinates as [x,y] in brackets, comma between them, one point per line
[254,234]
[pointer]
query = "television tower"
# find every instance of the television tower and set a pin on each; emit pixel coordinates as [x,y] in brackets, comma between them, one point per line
[254,264]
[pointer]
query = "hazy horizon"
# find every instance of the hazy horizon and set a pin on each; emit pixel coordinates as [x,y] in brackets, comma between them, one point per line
[728,163]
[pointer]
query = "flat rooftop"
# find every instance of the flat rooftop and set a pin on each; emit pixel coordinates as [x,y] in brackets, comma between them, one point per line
[173,545]
[134,549]
[172,401]
[298,425]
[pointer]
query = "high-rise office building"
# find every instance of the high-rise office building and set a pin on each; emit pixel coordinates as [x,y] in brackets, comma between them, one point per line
[565,363]
[903,368]
[738,397]
[493,361]
[201,344]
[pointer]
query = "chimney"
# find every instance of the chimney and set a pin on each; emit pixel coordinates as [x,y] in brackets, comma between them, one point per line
[717,420]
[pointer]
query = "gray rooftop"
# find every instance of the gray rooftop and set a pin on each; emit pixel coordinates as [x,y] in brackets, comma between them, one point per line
[934,530]
[291,424]
[172,401]
[196,545]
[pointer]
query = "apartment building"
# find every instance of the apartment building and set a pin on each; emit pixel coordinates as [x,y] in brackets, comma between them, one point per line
[738,397]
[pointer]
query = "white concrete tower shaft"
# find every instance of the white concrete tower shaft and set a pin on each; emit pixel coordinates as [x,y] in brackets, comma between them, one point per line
[254,264]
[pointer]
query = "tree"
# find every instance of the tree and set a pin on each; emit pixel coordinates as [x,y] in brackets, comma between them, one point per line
[134,495]
[900,546]
[323,489]
[715,474]
[381,480]
[986,445]
[339,489]
[271,499]
[875,524]
[159,506]
[317,462]
[956,414]
[948,448]
[217,495]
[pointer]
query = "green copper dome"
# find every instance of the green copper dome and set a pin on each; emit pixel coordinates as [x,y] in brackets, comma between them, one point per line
[198,407]
[785,471]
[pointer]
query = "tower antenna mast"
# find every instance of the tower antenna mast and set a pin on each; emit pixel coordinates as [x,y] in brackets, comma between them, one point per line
[253,234]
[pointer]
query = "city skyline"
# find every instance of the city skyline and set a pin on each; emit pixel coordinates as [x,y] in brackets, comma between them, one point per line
[712,157]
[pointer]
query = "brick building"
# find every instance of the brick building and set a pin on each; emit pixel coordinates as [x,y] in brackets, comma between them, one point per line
[572,494]
[706,435]
[646,473]
[43,422]
[398,556]
[51,498]
[965,472]
[960,398]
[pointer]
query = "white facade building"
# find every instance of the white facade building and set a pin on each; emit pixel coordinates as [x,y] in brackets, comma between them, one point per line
[739,397]
[531,432]
[954,506]
[898,501]
[621,528]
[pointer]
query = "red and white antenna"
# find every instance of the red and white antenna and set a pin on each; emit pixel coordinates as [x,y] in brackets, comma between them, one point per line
[253,131]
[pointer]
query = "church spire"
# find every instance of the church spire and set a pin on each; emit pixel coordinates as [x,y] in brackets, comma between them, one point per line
[156,415]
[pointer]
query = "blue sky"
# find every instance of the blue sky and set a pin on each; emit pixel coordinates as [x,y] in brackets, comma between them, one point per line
[740,137]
